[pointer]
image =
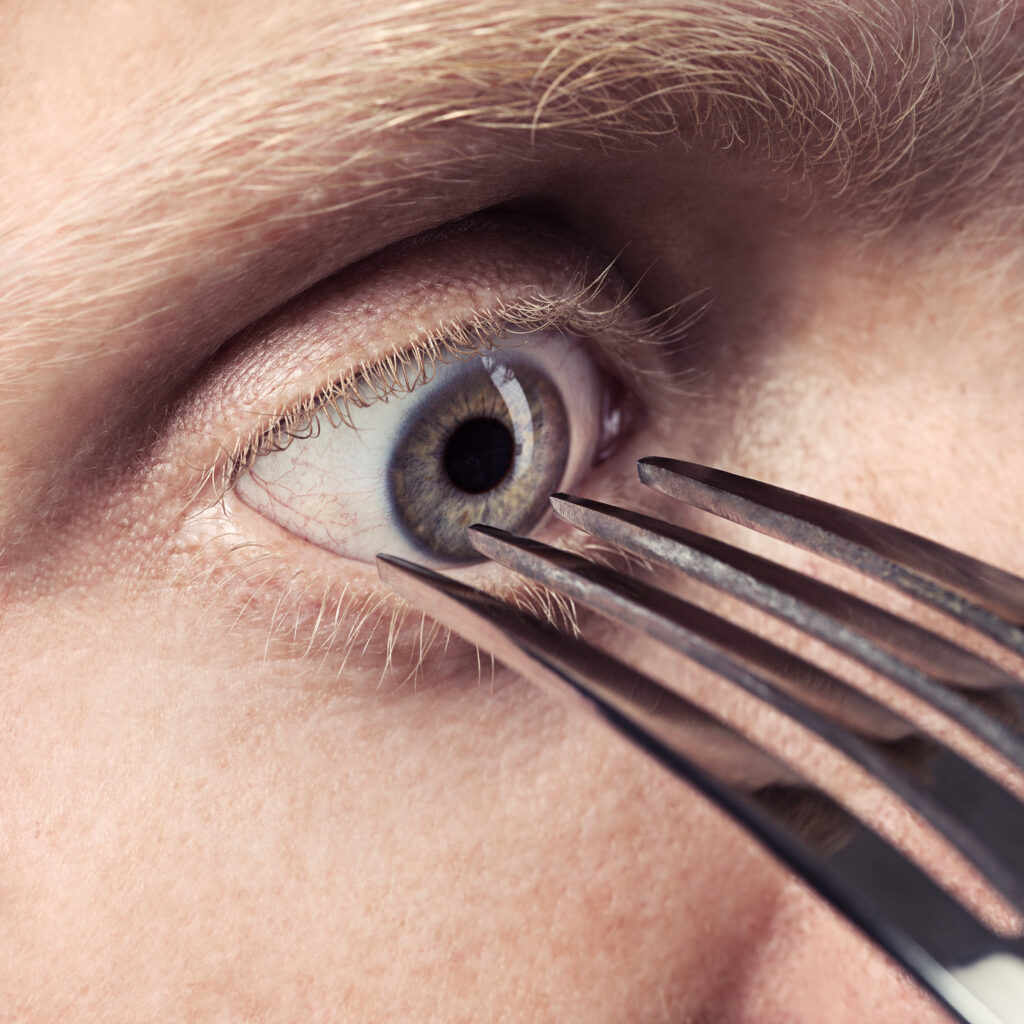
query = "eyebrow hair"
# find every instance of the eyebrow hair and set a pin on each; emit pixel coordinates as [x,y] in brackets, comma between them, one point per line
[871,95]
[896,109]
[901,104]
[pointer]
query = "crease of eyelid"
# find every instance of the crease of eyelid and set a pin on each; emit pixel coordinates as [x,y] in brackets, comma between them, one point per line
[618,325]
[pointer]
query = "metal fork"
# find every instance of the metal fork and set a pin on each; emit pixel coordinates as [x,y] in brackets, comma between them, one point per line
[977,973]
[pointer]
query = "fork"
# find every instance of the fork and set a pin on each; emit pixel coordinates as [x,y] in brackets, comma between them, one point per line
[976,972]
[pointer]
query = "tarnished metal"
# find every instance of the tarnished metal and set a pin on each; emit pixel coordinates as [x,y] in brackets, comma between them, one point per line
[942,673]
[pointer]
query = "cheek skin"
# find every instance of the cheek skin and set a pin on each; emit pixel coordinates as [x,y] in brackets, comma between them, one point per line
[190,833]
[216,840]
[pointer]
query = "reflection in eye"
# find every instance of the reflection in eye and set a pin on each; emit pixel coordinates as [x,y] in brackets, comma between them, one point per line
[485,439]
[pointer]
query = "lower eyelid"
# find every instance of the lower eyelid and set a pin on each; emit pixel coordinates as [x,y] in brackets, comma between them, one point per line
[301,606]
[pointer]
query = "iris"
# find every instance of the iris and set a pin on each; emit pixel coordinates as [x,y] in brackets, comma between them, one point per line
[489,447]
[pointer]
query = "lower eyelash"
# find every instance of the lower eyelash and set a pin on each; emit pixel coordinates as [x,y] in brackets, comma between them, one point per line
[341,621]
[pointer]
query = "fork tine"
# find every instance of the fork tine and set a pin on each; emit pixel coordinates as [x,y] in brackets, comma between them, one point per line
[875,886]
[717,563]
[978,815]
[973,592]
[844,621]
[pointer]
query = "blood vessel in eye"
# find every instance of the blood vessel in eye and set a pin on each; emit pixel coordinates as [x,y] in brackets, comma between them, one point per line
[479,455]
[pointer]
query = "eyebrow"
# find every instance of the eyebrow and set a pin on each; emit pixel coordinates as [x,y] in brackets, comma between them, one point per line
[890,111]
[878,98]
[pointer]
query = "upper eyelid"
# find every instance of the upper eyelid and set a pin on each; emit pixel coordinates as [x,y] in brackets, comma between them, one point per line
[587,308]
[533,275]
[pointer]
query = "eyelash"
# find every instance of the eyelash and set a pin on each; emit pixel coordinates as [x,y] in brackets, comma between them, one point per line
[620,330]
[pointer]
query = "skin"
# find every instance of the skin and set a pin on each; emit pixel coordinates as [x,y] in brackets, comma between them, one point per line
[203,819]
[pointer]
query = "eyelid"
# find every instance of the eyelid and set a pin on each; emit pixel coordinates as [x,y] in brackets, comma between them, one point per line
[444,291]
[479,273]
[463,338]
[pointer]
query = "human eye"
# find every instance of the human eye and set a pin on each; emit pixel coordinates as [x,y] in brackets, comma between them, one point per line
[409,453]
[476,415]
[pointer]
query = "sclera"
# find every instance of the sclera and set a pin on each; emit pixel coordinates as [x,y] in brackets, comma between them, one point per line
[332,487]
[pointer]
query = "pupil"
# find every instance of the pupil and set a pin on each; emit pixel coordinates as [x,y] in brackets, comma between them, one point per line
[479,455]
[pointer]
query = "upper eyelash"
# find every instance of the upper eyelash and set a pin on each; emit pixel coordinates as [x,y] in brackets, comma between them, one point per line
[573,311]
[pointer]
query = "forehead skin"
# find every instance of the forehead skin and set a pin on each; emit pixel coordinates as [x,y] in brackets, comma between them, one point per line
[190,839]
